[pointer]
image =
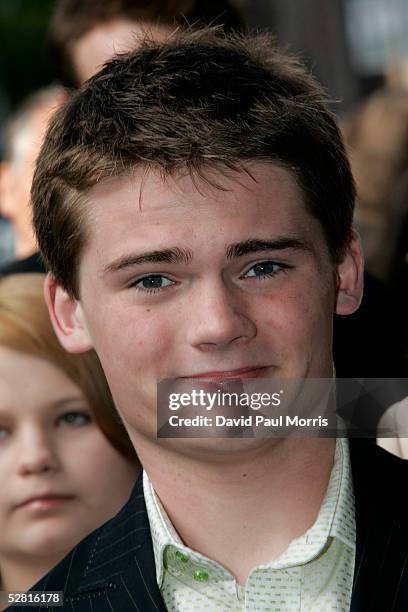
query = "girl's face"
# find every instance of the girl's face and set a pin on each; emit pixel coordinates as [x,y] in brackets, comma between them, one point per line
[60,477]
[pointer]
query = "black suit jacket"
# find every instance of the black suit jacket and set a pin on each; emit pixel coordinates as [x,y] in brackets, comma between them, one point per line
[113,569]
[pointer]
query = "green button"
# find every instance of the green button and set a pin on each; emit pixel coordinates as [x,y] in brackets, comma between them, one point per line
[182,556]
[201,575]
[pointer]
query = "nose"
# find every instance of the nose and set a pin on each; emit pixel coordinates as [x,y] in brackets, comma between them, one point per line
[38,453]
[219,316]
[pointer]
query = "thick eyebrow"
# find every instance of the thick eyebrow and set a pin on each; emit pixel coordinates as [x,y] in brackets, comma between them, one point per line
[255,245]
[173,255]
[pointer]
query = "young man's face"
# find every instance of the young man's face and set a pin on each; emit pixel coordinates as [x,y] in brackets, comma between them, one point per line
[180,279]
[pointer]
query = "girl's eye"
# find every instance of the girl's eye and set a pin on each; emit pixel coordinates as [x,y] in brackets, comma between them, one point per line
[265,269]
[74,418]
[152,283]
[4,432]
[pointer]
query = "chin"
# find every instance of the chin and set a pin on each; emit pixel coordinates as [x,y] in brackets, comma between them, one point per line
[54,541]
[215,449]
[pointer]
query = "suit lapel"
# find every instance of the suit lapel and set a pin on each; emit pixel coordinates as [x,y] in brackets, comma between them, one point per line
[123,556]
[140,578]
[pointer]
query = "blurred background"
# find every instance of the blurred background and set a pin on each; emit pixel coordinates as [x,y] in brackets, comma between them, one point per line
[349,44]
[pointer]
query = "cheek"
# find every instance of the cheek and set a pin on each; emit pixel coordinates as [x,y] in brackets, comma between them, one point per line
[11,489]
[135,342]
[294,318]
[93,464]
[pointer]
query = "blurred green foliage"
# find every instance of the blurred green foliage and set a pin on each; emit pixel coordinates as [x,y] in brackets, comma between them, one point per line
[25,64]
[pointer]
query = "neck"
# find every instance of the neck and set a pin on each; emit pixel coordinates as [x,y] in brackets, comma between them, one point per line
[243,512]
[19,574]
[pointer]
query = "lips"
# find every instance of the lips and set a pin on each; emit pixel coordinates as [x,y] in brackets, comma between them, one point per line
[248,372]
[45,501]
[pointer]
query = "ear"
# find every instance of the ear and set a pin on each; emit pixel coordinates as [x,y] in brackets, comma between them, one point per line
[350,278]
[67,318]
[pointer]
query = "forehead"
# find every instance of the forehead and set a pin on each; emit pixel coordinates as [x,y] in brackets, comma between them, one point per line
[147,193]
[26,379]
[144,210]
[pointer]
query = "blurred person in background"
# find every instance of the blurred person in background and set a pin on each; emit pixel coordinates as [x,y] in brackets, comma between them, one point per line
[84,34]
[377,138]
[66,462]
[23,138]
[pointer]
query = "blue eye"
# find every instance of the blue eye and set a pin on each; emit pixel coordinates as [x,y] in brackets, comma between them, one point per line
[74,418]
[265,269]
[152,283]
[3,433]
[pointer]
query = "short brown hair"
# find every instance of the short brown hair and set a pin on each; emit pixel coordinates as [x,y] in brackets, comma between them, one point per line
[201,99]
[25,326]
[73,19]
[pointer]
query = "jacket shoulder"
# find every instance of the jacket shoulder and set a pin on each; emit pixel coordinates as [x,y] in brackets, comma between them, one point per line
[379,475]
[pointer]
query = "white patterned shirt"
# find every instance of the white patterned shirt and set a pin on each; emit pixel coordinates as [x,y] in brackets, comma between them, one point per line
[314,574]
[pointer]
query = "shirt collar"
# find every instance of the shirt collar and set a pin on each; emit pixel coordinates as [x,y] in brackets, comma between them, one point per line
[336,518]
